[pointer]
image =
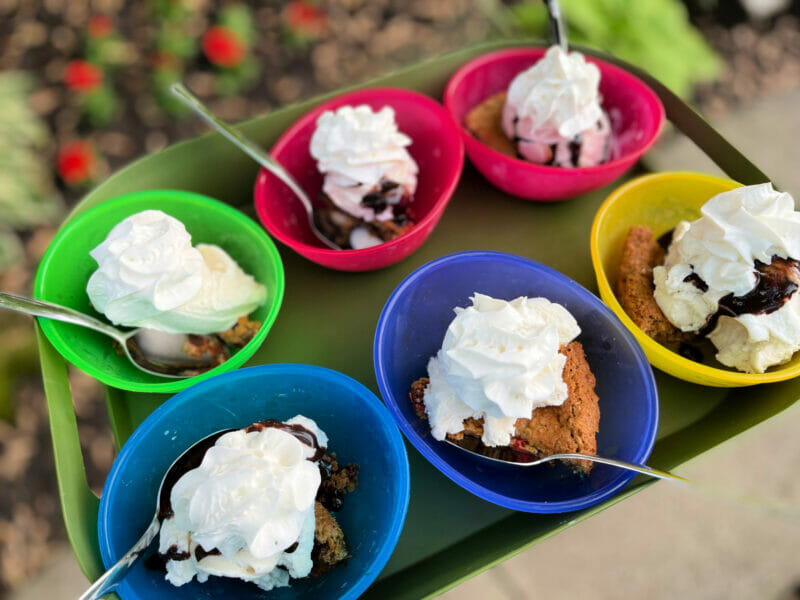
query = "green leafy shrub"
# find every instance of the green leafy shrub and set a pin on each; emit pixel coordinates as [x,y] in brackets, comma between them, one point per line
[653,34]
[27,196]
[173,46]
[27,199]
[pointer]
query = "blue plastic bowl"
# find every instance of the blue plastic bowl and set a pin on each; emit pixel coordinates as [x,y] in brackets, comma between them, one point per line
[360,430]
[411,329]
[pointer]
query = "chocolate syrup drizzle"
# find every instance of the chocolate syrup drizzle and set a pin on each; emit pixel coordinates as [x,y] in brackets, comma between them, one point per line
[389,193]
[302,434]
[193,459]
[575,149]
[173,554]
[665,239]
[200,553]
[696,281]
[775,284]
[575,146]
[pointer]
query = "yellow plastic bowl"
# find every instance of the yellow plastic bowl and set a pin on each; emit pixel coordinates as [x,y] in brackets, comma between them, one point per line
[660,201]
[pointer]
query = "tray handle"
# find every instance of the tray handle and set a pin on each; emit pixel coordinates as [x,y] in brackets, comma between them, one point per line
[689,122]
[73,487]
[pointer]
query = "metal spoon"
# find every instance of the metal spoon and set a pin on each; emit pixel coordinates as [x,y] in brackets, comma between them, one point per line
[255,152]
[556,23]
[190,459]
[138,344]
[532,462]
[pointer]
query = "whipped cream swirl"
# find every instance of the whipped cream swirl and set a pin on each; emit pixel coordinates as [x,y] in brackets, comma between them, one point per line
[149,275]
[358,149]
[554,100]
[736,229]
[499,361]
[250,504]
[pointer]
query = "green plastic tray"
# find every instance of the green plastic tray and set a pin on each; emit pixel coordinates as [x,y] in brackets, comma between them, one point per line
[328,318]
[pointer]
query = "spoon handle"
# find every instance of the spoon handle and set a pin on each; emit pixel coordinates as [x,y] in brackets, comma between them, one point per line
[40,308]
[556,23]
[110,578]
[246,145]
[644,469]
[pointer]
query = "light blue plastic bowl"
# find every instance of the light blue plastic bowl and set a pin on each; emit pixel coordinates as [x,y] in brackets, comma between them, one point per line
[360,430]
[411,329]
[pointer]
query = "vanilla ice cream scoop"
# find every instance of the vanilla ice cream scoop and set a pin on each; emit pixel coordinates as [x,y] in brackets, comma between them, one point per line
[247,511]
[553,114]
[149,275]
[499,361]
[733,275]
[364,160]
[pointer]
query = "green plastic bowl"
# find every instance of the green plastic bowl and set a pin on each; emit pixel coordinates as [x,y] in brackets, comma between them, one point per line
[67,266]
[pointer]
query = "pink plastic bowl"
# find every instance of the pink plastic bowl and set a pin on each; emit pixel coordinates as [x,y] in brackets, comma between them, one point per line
[635,112]
[437,148]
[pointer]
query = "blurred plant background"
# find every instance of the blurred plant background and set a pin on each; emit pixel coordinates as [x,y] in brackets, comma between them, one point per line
[83,91]
[638,32]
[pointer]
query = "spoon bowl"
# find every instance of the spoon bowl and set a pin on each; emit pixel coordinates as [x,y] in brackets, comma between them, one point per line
[136,343]
[189,459]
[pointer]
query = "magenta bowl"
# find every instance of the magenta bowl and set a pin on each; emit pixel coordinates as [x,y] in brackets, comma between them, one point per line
[635,112]
[437,148]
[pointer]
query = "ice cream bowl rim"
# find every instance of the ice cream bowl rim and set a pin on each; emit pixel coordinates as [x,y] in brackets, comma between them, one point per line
[660,356]
[76,233]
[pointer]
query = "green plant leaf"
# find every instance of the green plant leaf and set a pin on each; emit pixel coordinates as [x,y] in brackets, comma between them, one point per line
[239,19]
[27,196]
[10,249]
[654,34]
[100,106]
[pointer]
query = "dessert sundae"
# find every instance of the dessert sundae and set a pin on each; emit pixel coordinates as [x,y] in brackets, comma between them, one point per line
[730,276]
[509,379]
[550,114]
[150,276]
[369,176]
[257,507]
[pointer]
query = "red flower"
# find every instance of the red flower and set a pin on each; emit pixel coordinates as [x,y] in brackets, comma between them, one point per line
[304,18]
[223,47]
[100,26]
[82,76]
[76,162]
